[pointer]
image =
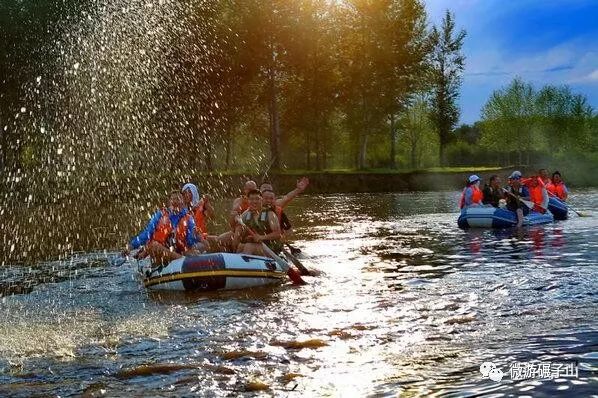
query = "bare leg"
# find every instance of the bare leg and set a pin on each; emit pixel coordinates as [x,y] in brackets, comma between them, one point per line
[227,242]
[252,248]
[519,218]
[161,255]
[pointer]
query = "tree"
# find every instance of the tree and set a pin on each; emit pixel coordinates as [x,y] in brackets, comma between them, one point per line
[417,130]
[469,133]
[563,118]
[408,48]
[446,67]
[313,86]
[508,119]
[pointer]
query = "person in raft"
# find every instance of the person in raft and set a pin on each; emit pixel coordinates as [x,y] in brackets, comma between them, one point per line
[241,204]
[200,207]
[229,241]
[259,225]
[537,193]
[543,174]
[471,195]
[515,192]
[278,205]
[169,234]
[556,186]
[493,192]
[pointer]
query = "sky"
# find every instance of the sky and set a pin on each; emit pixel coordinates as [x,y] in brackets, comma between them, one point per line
[542,41]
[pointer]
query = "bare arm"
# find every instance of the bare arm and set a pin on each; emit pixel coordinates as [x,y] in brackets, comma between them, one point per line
[234,213]
[301,186]
[207,207]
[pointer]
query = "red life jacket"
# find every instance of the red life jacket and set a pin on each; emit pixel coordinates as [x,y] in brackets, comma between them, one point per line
[164,231]
[476,197]
[557,190]
[200,218]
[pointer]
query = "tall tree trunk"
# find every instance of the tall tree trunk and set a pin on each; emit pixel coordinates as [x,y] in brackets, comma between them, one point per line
[393,142]
[208,153]
[363,147]
[520,152]
[307,149]
[363,137]
[229,149]
[442,147]
[318,152]
[414,154]
[324,153]
[274,121]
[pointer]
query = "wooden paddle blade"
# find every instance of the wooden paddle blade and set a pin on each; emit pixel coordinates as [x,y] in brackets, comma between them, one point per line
[295,277]
[302,268]
[291,272]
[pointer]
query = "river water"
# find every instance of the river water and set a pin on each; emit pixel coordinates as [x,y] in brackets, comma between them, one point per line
[406,304]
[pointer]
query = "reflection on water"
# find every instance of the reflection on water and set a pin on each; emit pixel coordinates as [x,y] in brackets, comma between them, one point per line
[407,303]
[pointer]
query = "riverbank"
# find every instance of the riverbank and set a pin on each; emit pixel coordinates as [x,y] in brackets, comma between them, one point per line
[379,180]
[154,187]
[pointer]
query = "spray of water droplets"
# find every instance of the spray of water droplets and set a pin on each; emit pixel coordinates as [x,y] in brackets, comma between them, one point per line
[127,109]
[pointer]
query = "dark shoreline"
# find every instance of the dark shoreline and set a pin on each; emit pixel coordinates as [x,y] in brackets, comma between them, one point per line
[154,188]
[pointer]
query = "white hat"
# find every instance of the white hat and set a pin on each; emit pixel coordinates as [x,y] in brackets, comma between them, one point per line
[195,195]
[473,178]
[515,175]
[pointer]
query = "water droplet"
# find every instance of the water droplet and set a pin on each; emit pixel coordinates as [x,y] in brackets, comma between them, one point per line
[59,151]
[38,79]
[76,66]
[23,110]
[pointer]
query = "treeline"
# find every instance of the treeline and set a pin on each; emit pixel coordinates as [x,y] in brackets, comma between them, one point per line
[136,86]
[550,126]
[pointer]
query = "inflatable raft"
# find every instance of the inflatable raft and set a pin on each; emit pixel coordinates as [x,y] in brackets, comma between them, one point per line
[492,217]
[208,272]
[558,208]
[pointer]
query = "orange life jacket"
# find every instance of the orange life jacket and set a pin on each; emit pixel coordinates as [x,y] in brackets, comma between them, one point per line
[476,198]
[164,231]
[537,195]
[200,218]
[557,190]
[243,206]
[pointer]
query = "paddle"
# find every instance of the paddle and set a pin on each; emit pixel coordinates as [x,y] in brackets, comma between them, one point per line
[294,250]
[123,258]
[302,268]
[579,214]
[292,273]
[528,203]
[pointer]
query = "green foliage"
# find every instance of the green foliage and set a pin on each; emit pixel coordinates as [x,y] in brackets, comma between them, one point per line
[446,68]
[418,138]
[522,120]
